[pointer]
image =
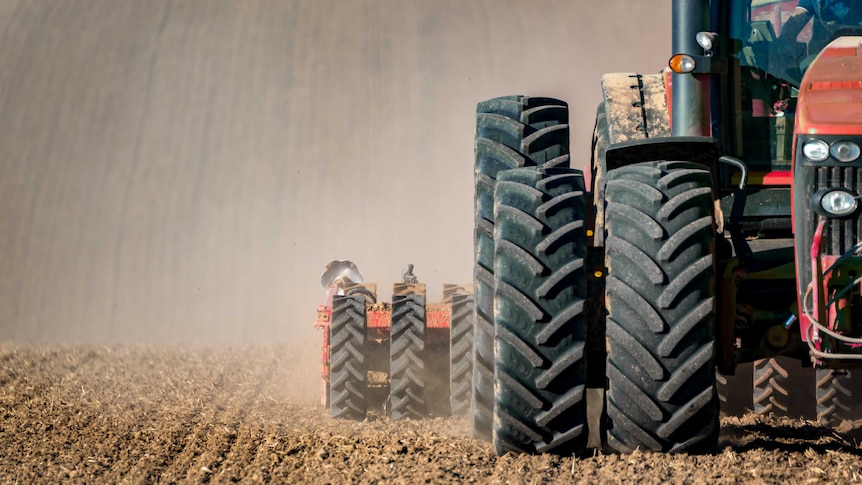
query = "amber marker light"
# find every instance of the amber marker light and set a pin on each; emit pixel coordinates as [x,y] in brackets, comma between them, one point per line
[682,63]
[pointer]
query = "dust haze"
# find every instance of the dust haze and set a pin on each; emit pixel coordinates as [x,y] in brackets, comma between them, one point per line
[182,170]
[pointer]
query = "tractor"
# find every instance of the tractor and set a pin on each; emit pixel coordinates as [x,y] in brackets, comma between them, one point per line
[720,226]
[395,356]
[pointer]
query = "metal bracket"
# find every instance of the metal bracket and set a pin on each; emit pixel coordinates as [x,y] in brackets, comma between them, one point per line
[740,245]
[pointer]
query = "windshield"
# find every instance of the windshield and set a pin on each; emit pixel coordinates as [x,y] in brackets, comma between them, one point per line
[773,42]
[782,37]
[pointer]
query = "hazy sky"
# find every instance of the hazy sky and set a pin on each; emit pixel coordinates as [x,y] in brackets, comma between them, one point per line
[183,170]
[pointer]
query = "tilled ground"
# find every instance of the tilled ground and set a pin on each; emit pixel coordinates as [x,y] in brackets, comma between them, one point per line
[135,414]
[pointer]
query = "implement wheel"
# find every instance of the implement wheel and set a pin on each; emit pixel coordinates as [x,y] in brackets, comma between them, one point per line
[461,354]
[347,334]
[407,357]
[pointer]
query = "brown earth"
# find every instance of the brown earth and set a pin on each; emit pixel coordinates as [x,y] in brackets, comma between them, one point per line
[219,414]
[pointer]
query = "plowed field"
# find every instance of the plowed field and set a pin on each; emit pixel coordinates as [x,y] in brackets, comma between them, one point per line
[146,414]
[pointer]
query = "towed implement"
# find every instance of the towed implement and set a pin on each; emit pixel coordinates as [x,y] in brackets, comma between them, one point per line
[720,226]
[392,355]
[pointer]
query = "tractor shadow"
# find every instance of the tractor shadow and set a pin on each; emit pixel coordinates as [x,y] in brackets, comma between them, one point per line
[769,433]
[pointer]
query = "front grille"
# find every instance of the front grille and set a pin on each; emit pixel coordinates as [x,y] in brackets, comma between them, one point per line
[840,235]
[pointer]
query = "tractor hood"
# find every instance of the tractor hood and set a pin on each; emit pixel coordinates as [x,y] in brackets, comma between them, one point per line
[830,96]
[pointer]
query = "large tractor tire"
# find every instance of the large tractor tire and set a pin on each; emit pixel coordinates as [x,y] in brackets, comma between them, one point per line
[511,132]
[347,343]
[595,303]
[838,396]
[771,384]
[540,328]
[407,357]
[370,296]
[660,300]
[721,387]
[601,141]
[461,354]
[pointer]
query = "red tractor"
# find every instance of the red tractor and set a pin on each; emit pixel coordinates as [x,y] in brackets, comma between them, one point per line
[395,354]
[721,227]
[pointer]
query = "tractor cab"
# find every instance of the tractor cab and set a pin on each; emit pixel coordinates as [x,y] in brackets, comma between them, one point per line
[777,84]
[770,45]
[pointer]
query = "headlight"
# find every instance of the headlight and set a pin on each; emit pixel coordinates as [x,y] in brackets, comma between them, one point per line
[816,150]
[707,40]
[836,202]
[844,151]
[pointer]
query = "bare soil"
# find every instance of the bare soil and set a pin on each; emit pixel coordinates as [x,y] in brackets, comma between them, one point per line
[146,414]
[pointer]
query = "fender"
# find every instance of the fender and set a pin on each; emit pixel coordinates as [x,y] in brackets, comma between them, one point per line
[697,149]
[636,116]
[634,108]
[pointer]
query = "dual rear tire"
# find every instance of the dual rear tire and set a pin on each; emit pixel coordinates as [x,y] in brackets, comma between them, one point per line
[539,325]
[531,290]
[660,299]
[511,132]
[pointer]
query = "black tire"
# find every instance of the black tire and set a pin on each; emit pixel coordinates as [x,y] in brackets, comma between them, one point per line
[407,357]
[838,396]
[721,388]
[511,132]
[540,329]
[598,170]
[461,354]
[660,300]
[732,395]
[369,295]
[733,391]
[450,290]
[348,371]
[595,304]
[771,385]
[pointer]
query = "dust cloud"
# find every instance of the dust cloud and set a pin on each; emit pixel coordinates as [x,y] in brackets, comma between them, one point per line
[182,170]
